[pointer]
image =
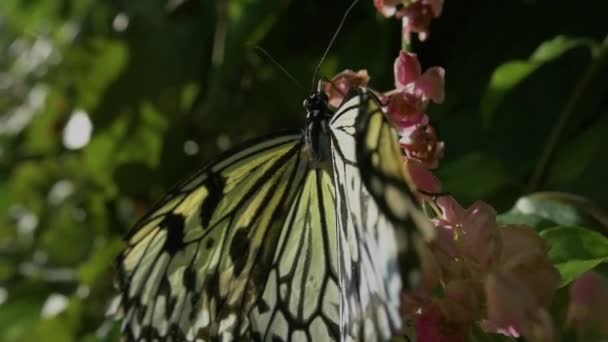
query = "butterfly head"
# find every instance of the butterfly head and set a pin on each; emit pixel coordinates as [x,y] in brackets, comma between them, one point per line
[316,105]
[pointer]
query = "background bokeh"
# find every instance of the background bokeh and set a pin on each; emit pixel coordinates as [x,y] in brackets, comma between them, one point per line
[105,104]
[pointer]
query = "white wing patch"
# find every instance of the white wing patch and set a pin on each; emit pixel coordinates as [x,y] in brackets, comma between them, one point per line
[373,209]
[301,299]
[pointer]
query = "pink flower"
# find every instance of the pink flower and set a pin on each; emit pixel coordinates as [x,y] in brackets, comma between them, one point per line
[436,6]
[417,17]
[513,309]
[504,270]
[520,287]
[473,229]
[462,300]
[409,77]
[406,110]
[387,8]
[342,83]
[432,326]
[423,179]
[588,303]
[524,254]
[423,145]
[405,107]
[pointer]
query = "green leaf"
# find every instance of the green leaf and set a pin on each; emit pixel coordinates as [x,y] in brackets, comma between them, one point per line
[556,47]
[536,221]
[523,103]
[66,230]
[504,79]
[575,250]
[511,74]
[543,209]
[106,59]
[578,155]
[21,312]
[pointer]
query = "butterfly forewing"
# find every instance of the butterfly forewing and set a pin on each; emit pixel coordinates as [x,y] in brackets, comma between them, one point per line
[202,257]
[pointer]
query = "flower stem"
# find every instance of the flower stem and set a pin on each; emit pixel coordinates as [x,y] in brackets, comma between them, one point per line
[537,179]
[405,45]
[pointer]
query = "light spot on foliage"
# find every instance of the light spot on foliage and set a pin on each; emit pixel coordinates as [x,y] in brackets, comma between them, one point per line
[223,142]
[3,295]
[120,22]
[60,191]
[191,147]
[54,305]
[77,132]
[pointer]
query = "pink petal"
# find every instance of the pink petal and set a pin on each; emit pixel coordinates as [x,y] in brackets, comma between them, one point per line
[511,306]
[524,253]
[490,327]
[432,326]
[422,144]
[588,303]
[478,233]
[405,109]
[342,83]
[453,213]
[431,84]
[416,18]
[431,271]
[386,7]
[509,302]
[444,240]
[428,328]
[436,6]
[407,69]
[422,178]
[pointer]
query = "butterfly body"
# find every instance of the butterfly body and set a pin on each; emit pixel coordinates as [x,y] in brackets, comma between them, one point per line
[317,130]
[293,237]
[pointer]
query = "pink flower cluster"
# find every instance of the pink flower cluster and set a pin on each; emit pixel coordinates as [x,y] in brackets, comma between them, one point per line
[416,15]
[474,272]
[405,106]
[497,277]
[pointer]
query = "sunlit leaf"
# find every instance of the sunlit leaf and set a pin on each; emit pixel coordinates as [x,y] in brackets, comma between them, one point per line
[575,250]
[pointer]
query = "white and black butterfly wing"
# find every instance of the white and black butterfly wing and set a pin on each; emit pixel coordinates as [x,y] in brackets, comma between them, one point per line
[301,299]
[199,261]
[375,207]
[266,244]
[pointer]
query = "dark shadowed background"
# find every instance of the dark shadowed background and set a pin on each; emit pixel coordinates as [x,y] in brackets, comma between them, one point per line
[105,104]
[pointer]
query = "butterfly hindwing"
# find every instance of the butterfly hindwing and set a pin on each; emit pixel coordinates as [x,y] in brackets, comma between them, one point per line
[389,183]
[301,298]
[375,227]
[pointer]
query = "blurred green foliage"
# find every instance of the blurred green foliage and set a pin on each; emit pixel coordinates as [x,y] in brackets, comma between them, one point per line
[167,84]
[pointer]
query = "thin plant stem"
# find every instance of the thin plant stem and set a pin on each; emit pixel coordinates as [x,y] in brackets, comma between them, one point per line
[548,154]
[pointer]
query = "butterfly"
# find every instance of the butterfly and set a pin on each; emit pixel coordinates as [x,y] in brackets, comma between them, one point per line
[297,236]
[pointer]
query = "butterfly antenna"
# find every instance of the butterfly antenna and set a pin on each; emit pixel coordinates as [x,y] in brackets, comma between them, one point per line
[278,65]
[331,42]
